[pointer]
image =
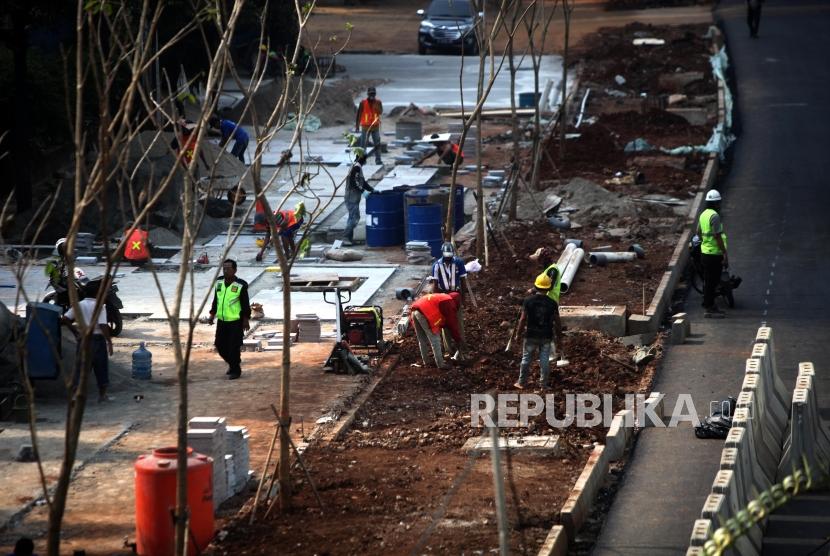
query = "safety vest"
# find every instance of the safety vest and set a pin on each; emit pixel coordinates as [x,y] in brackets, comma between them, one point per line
[428,306]
[136,247]
[709,245]
[554,292]
[188,145]
[369,117]
[228,300]
[289,218]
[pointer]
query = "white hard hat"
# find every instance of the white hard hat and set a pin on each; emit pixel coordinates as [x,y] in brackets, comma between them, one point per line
[447,249]
[60,242]
[713,195]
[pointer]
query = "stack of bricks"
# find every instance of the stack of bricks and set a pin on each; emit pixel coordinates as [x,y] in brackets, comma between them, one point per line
[206,435]
[236,442]
[308,328]
[228,446]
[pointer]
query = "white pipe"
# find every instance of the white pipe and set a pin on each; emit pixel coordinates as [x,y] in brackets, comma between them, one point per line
[582,109]
[570,271]
[565,256]
[613,257]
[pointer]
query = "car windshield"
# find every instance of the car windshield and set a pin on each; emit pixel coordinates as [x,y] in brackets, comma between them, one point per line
[449,8]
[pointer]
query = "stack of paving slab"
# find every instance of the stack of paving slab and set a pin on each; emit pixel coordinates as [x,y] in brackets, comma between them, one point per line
[754,449]
[228,446]
[308,327]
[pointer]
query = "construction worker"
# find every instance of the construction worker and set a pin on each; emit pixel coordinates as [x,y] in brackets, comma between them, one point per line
[137,247]
[101,343]
[541,315]
[713,253]
[288,222]
[184,144]
[356,187]
[228,130]
[446,150]
[432,313]
[232,309]
[450,275]
[367,122]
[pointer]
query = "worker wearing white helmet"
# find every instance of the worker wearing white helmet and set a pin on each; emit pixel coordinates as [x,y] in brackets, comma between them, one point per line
[713,252]
[449,275]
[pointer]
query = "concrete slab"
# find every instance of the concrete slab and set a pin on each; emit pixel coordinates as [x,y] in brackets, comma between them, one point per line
[538,445]
[270,294]
[610,319]
[433,80]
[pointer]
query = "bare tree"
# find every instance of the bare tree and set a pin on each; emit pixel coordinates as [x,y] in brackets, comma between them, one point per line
[116,48]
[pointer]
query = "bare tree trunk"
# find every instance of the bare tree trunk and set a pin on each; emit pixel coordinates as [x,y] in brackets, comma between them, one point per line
[514,120]
[567,9]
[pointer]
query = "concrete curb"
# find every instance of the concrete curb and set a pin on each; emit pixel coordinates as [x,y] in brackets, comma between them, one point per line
[556,543]
[650,322]
[577,507]
[343,425]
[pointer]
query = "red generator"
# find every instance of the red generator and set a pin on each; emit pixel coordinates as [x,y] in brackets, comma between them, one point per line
[363,327]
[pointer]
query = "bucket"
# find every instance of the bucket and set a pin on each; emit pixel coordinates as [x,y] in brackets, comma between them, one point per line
[43,340]
[424,224]
[384,219]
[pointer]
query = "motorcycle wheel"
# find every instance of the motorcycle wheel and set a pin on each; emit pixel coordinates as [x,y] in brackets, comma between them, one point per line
[115,321]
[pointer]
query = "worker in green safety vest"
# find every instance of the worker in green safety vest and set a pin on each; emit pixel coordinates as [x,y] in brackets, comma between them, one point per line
[232,310]
[713,252]
[544,257]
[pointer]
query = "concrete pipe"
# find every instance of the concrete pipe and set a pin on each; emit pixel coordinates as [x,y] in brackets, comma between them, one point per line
[602,259]
[565,256]
[570,270]
[559,222]
[637,248]
[575,242]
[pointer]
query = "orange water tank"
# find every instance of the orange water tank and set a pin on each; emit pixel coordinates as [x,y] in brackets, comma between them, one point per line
[155,502]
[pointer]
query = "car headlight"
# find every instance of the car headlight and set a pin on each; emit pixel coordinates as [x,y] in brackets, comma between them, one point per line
[426,25]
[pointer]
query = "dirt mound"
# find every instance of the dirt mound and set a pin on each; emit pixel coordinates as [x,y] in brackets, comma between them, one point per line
[610,52]
[659,127]
[335,104]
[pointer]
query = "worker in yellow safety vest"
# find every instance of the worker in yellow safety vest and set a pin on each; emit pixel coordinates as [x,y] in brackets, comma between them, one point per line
[713,252]
[232,310]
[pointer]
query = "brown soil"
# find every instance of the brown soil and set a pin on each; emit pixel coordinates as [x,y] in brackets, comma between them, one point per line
[398,482]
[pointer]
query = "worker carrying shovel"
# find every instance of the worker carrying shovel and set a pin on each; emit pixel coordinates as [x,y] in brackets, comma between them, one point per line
[432,313]
[541,315]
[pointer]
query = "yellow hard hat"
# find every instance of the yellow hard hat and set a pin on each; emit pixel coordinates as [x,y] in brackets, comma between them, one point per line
[543,282]
[260,242]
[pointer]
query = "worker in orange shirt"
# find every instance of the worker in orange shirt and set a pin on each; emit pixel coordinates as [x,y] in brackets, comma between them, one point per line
[137,247]
[432,313]
[288,222]
[367,122]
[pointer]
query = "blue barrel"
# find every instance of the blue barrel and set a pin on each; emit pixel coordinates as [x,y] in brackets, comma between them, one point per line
[424,224]
[529,100]
[458,208]
[384,219]
[142,363]
[43,340]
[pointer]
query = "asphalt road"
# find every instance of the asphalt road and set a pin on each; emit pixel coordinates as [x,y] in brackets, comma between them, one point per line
[776,203]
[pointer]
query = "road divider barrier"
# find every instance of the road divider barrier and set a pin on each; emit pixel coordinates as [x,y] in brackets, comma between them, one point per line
[753,449]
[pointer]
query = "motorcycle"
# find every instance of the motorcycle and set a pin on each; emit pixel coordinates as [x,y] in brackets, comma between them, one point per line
[89,288]
[728,282]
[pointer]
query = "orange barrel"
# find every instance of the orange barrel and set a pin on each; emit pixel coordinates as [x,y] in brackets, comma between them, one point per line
[155,502]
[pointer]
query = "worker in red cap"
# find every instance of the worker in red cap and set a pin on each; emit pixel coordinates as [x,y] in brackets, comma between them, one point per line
[432,313]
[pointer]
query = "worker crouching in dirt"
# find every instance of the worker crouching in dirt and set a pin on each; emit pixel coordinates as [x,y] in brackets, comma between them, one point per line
[541,315]
[446,150]
[288,222]
[432,313]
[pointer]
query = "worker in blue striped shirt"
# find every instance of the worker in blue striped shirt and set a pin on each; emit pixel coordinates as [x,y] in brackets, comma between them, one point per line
[449,275]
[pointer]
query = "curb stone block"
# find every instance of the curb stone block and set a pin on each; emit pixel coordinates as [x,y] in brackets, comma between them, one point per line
[556,543]
[578,505]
